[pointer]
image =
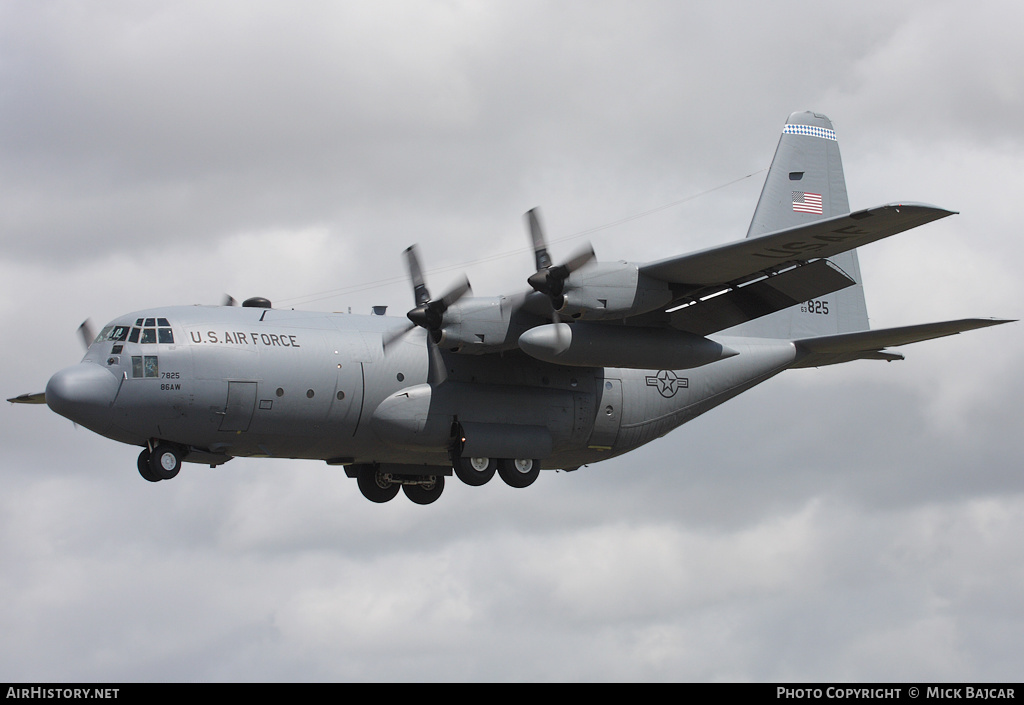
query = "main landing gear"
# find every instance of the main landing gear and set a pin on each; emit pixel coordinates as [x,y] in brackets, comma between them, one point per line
[380,485]
[516,472]
[475,471]
[519,472]
[163,463]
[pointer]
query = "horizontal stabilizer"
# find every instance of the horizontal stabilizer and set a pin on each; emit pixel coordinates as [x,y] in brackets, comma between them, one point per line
[822,238]
[37,398]
[869,344]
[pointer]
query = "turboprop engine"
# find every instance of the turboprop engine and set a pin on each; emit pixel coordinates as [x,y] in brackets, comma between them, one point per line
[582,288]
[583,345]
[486,324]
[611,291]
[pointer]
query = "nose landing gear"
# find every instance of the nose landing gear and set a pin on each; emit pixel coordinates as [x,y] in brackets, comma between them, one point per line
[163,463]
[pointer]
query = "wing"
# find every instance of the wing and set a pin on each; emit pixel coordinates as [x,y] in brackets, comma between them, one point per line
[724,286]
[702,293]
[870,344]
[737,261]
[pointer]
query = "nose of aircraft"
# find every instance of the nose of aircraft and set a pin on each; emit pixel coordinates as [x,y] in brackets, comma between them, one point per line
[83,393]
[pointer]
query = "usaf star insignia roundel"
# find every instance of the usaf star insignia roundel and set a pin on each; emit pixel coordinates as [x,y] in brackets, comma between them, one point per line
[667,382]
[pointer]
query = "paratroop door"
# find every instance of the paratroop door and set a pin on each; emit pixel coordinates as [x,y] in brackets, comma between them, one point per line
[241,402]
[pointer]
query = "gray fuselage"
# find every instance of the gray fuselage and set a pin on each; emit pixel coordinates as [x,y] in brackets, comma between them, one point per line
[228,382]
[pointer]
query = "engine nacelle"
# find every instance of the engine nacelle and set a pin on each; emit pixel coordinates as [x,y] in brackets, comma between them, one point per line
[611,291]
[485,324]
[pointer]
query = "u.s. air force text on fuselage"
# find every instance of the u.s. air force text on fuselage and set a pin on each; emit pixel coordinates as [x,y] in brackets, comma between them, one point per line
[237,337]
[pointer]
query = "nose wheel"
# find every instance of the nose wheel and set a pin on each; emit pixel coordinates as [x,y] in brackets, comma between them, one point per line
[144,469]
[163,463]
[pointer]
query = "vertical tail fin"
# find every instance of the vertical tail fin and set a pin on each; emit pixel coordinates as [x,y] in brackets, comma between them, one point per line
[806,183]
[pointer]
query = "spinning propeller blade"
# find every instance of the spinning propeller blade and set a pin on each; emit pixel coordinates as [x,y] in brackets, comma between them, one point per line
[419,286]
[428,314]
[550,279]
[540,247]
[87,332]
[37,398]
[394,335]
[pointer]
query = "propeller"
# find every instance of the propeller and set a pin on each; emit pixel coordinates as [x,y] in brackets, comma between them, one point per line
[428,313]
[87,332]
[549,279]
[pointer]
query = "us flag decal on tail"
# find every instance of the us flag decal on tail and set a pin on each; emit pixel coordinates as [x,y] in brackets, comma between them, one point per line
[807,202]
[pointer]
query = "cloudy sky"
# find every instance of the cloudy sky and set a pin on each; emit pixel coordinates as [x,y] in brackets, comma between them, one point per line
[860,522]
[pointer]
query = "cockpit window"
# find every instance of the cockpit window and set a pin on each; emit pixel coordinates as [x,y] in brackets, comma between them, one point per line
[150,333]
[115,333]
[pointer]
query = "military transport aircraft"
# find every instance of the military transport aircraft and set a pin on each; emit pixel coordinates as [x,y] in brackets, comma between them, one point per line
[593,360]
